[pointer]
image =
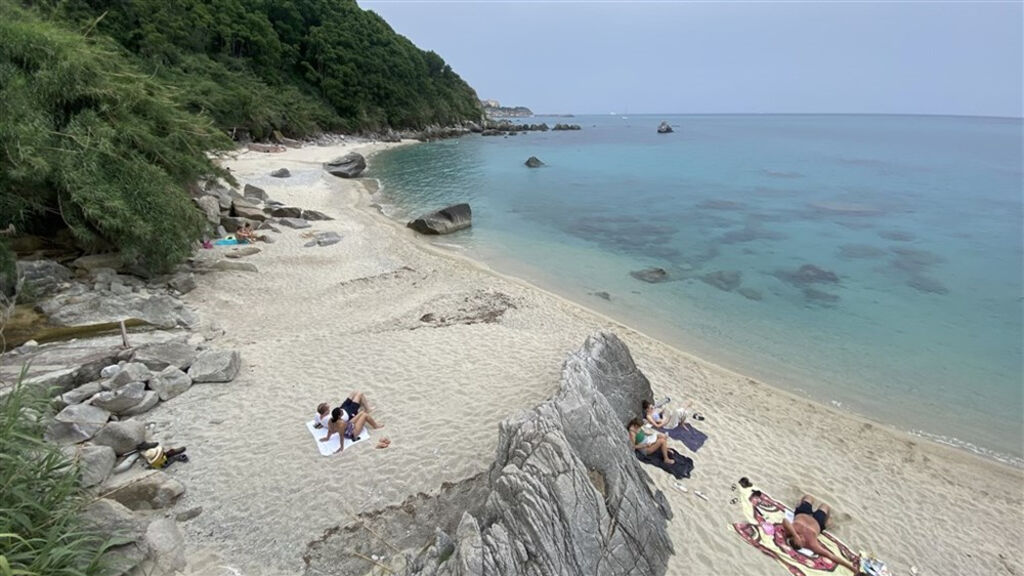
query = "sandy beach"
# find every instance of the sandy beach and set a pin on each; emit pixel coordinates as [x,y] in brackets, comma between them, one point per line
[316,323]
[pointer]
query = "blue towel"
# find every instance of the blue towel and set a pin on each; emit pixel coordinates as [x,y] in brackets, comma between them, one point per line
[688,435]
[681,469]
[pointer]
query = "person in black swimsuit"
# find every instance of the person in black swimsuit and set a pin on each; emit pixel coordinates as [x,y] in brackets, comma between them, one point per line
[807,524]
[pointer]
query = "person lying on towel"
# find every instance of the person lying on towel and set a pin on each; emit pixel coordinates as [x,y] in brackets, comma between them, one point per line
[807,524]
[352,405]
[349,428]
[648,441]
[664,417]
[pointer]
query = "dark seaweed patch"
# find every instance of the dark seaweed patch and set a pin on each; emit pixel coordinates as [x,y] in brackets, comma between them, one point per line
[727,280]
[806,275]
[896,235]
[860,251]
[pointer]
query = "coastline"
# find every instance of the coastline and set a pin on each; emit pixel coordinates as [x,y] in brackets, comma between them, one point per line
[869,472]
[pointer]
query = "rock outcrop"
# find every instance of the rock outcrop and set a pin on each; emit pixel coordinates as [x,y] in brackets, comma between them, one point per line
[533,162]
[567,495]
[652,275]
[444,221]
[664,128]
[350,165]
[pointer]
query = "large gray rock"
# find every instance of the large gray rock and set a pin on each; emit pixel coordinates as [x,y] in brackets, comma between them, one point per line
[160,310]
[94,462]
[170,382]
[131,372]
[210,207]
[149,400]
[154,491]
[350,165]
[111,518]
[314,215]
[255,193]
[184,282]
[286,212]
[567,495]
[76,423]
[122,436]
[166,546]
[533,162]
[123,560]
[247,210]
[280,173]
[215,366]
[294,223]
[78,395]
[444,221]
[42,277]
[120,399]
[159,356]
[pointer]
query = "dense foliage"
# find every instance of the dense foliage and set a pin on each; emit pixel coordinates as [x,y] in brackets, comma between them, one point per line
[296,66]
[91,143]
[40,503]
[110,106]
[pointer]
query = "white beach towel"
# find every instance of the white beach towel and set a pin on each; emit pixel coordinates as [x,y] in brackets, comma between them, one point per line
[331,446]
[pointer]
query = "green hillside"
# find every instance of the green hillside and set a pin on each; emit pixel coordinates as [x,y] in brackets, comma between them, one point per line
[110,107]
[296,66]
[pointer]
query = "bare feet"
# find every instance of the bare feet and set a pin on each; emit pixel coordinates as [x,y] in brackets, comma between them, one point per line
[669,461]
[384,443]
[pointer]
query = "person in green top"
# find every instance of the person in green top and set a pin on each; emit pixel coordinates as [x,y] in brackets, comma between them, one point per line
[648,442]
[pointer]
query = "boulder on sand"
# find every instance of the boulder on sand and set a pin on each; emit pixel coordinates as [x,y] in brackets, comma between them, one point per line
[350,165]
[280,173]
[444,221]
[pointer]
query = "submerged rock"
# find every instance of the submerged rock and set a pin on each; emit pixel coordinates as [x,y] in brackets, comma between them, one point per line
[533,162]
[664,128]
[807,274]
[350,165]
[727,280]
[652,275]
[444,221]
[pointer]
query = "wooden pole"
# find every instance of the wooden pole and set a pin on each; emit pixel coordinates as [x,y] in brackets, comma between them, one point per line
[124,335]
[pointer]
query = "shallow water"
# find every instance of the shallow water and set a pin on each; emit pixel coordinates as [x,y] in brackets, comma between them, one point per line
[869,261]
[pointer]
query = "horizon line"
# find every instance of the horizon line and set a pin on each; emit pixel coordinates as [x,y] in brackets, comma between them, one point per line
[923,114]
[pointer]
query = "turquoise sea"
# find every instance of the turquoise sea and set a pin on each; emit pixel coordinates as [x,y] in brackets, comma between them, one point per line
[912,316]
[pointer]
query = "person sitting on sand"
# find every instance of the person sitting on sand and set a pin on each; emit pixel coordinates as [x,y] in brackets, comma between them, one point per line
[666,418]
[352,405]
[648,442]
[245,234]
[807,524]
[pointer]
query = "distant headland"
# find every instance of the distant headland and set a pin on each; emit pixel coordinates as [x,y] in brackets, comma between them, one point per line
[493,109]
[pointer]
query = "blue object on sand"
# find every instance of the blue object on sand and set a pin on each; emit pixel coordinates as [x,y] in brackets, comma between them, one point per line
[229,241]
[688,435]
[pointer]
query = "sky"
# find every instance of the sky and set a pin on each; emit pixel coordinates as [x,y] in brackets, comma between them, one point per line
[959,58]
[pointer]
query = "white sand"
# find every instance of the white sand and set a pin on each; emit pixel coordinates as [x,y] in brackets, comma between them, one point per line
[315,323]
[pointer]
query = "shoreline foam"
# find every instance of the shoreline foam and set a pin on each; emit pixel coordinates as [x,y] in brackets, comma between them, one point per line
[316,323]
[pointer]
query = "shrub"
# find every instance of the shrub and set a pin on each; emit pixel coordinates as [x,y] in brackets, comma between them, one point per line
[40,500]
[89,138]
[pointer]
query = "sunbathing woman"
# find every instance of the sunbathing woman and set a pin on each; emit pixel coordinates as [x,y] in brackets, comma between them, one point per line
[349,428]
[648,442]
[664,417]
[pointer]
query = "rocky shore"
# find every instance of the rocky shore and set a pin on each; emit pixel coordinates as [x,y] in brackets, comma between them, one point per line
[508,454]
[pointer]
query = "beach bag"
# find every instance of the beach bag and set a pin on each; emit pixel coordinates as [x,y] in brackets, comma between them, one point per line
[155,457]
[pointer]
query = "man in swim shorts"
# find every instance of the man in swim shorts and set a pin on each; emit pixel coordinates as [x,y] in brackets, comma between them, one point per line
[807,524]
